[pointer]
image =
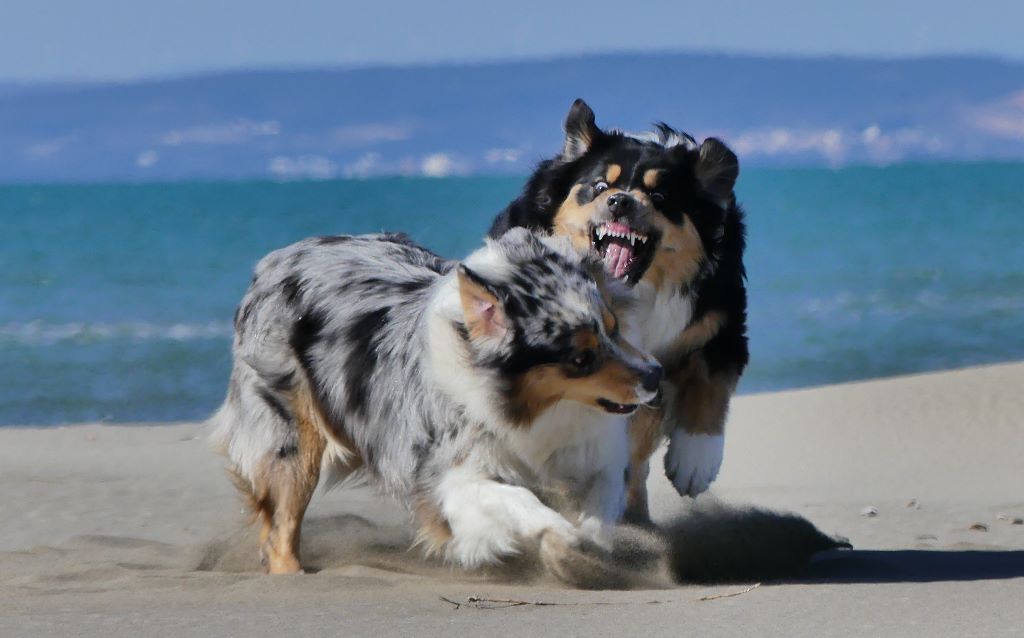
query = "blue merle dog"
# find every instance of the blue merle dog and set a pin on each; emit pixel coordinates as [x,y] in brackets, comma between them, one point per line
[466,389]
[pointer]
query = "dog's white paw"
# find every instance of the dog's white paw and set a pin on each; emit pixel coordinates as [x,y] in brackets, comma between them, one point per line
[693,460]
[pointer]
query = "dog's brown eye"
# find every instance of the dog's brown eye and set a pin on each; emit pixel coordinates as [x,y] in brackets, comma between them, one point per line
[583,360]
[600,187]
[657,199]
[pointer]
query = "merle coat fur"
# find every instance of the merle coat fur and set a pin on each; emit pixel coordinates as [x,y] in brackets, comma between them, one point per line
[463,389]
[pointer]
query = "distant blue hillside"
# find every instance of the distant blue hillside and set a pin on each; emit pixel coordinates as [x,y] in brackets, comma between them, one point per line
[502,117]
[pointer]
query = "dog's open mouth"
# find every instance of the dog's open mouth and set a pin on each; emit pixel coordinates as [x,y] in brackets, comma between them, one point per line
[616,408]
[625,251]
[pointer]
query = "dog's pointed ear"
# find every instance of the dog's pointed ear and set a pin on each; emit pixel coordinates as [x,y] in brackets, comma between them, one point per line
[717,170]
[484,313]
[580,131]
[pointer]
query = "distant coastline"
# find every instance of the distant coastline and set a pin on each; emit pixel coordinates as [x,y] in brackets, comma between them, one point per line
[298,179]
[499,117]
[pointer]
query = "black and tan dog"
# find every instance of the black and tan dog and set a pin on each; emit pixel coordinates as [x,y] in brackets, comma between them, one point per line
[660,212]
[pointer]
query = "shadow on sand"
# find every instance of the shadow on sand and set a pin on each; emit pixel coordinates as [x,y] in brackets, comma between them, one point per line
[711,544]
[913,566]
[719,543]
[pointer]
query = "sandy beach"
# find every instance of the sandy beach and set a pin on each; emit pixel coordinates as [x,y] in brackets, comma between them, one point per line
[125,530]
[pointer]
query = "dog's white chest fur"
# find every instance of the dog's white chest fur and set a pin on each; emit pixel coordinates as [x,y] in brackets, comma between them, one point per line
[659,317]
[571,441]
[692,461]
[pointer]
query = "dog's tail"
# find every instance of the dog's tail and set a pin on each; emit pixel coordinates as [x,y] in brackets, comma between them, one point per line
[218,428]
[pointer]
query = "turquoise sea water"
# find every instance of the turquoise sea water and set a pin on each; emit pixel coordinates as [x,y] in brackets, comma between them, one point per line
[116,300]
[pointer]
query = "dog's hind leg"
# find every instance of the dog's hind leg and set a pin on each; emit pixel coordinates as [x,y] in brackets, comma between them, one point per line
[284,485]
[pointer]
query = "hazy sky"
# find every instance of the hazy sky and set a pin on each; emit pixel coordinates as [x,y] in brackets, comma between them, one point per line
[59,39]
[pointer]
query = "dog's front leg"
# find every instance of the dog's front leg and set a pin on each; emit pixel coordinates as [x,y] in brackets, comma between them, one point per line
[603,504]
[696,427]
[604,501]
[490,520]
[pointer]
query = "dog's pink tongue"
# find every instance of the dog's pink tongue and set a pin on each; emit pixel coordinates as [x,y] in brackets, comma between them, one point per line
[611,258]
[625,256]
[618,255]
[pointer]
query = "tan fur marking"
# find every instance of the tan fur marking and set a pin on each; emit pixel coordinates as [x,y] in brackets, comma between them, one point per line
[702,399]
[613,381]
[280,491]
[585,340]
[609,321]
[299,482]
[573,220]
[613,173]
[678,256]
[433,531]
[645,433]
[652,176]
[697,334]
[535,391]
[539,388]
[310,416]
[642,197]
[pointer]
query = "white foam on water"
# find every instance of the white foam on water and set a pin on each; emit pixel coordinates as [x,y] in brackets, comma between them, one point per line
[46,333]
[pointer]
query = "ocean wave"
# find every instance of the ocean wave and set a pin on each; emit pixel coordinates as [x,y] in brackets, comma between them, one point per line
[888,304]
[46,333]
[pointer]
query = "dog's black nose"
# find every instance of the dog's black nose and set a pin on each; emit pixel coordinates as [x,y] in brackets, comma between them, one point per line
[620,204]
[652,379]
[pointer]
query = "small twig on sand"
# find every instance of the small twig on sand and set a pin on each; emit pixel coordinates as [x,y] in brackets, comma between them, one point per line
[501,603]
[730,595]
[477,602]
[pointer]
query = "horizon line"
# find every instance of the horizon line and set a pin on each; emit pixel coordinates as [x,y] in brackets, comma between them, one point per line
[269,179]
[199,73]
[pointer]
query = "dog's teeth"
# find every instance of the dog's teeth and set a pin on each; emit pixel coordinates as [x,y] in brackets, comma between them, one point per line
[632,238]
[643,239]
[600,232]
